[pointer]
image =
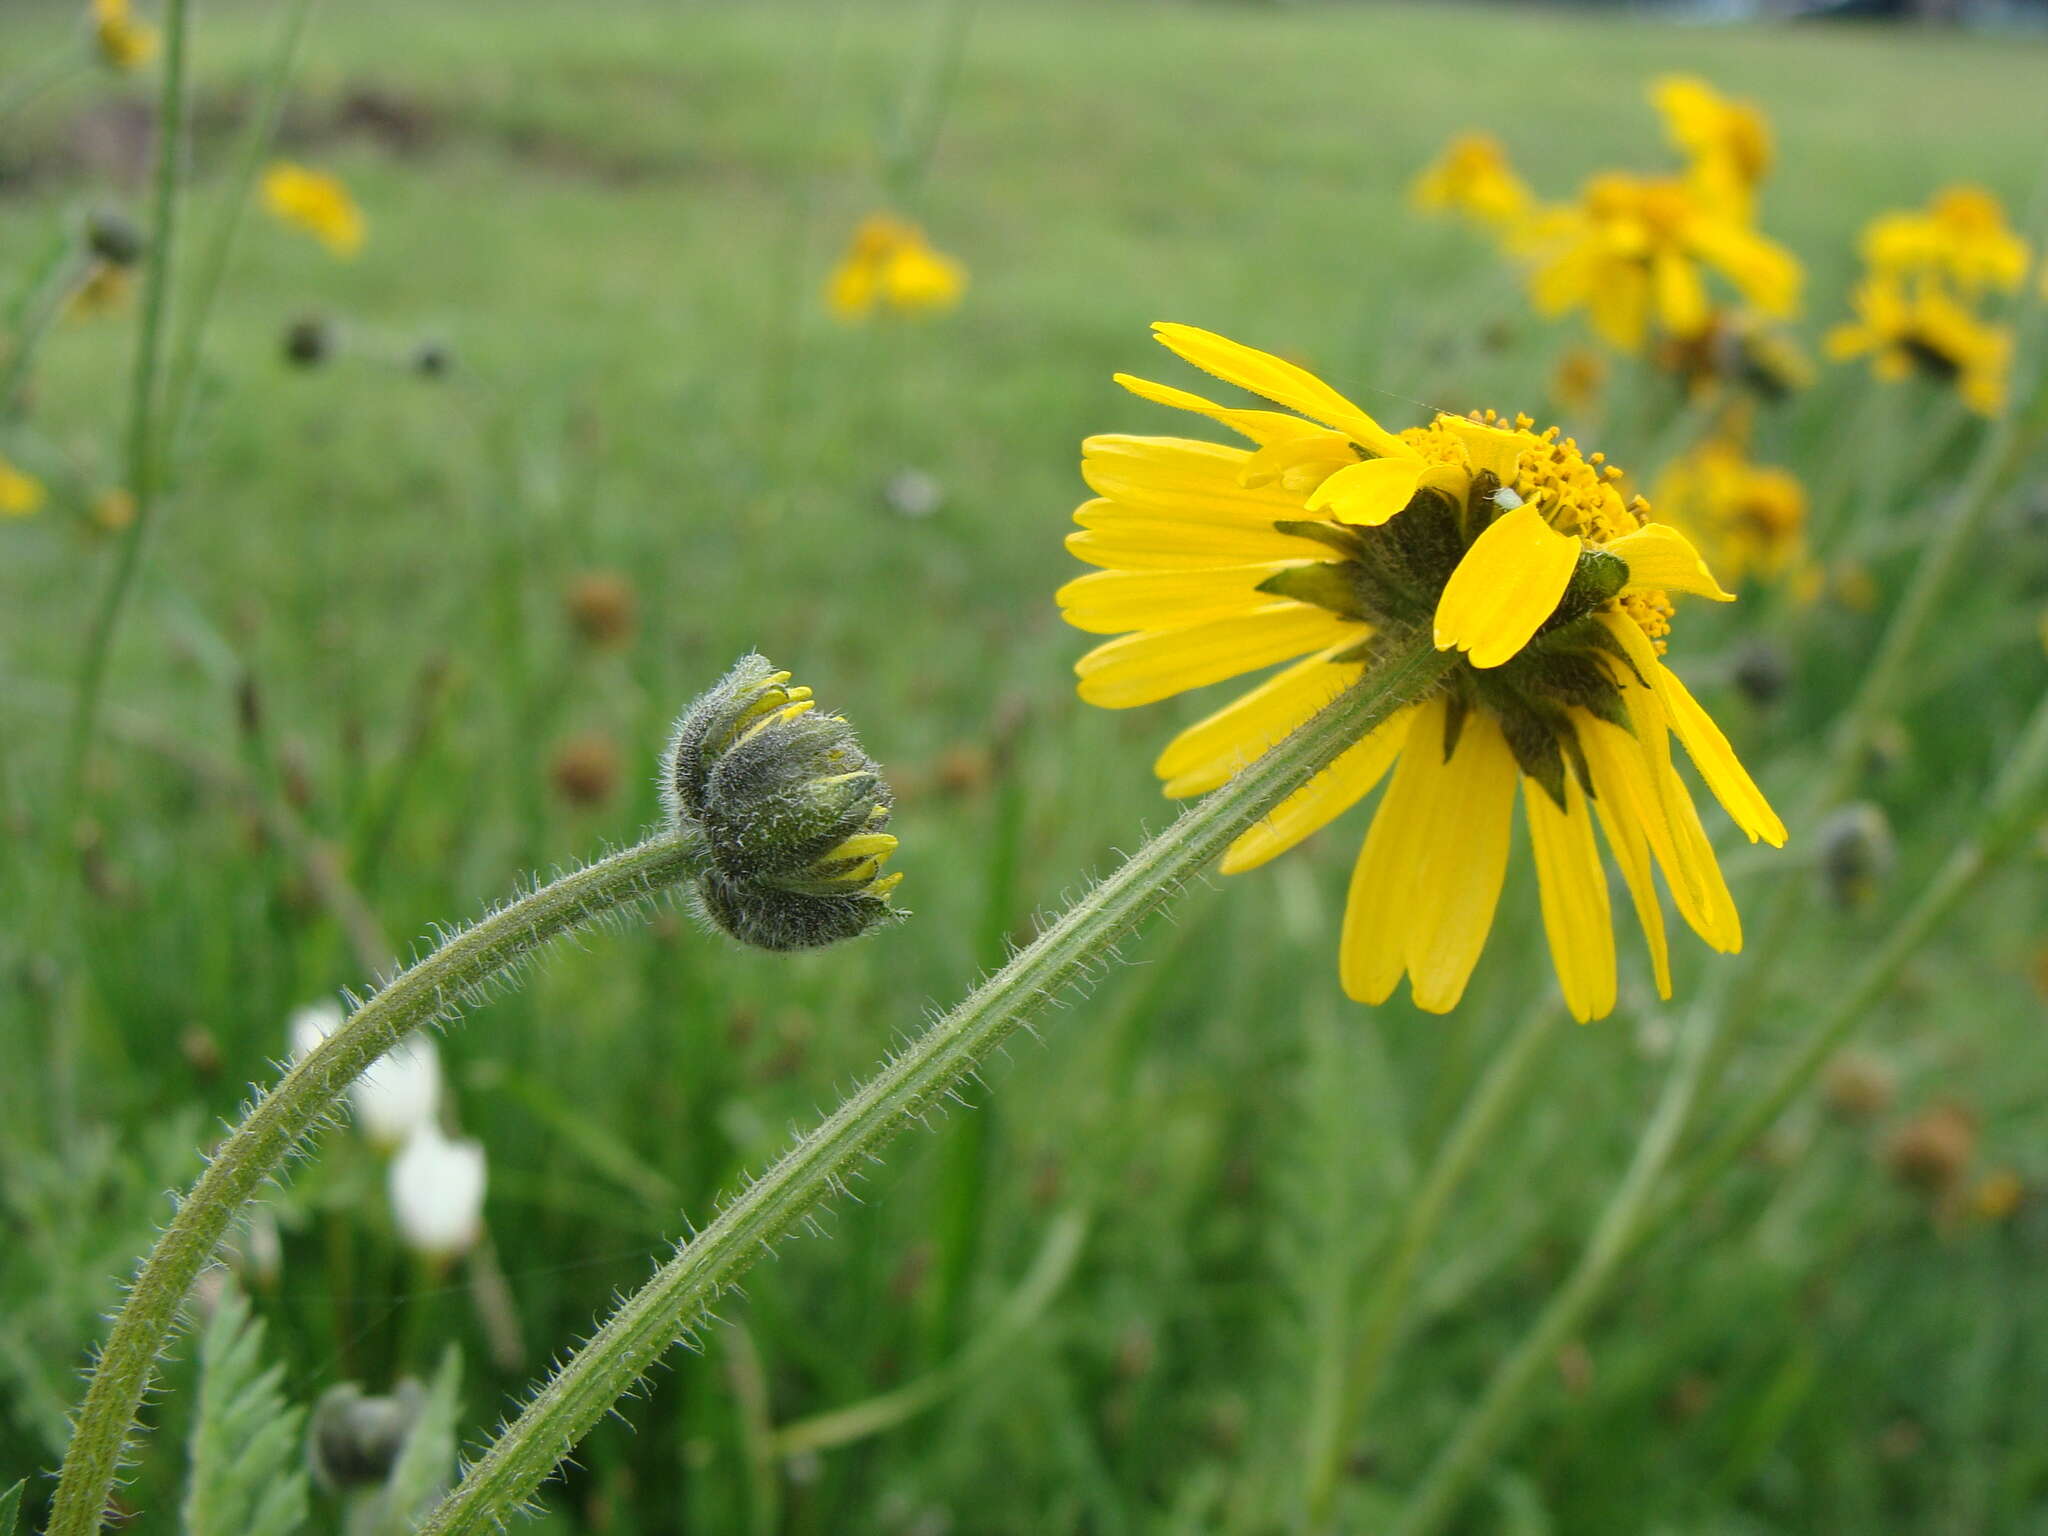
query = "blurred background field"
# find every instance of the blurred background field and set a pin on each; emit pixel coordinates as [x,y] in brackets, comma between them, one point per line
[356,648]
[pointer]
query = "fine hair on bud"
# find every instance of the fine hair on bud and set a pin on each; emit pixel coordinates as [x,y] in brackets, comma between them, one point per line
[793,813]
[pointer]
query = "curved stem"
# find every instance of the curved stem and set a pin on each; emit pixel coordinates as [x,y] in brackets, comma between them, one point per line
[1476,1123]
[432,990]
[1065,955]
[144,460]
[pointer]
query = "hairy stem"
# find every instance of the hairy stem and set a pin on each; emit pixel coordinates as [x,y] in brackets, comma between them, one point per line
[1073,948]
[432,990]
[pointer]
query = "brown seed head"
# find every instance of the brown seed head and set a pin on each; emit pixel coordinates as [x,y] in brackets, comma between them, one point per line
[602,608]
[585,770]
[1930,1152]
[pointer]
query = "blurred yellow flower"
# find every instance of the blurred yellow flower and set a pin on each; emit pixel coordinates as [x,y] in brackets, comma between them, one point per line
[1472,177]
[124,43]
[316,203]
[1961,234]
[1335,537]
[1577,378]
[889,265]
[1727,143]
[1634,252]
[1922,328]
[113,509]
[1998,1195]
[20,492]
[1750,518]
[1737,348]
[103,289]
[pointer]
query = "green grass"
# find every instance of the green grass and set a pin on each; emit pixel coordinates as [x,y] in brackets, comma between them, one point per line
[620,225]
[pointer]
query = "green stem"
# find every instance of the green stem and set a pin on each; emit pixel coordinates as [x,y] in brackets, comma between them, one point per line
[431,991]
[1065,956]
[1385,1309]
[143,459]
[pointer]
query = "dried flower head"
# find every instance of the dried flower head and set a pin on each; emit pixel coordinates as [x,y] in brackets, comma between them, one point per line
[585,770]
[603,608]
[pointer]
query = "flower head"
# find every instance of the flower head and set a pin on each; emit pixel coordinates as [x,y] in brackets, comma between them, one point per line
[437,1193]
[1472,177]
[794,814]
[1635,252]
[1334,538]
[889,265]
[1726,142]
[21,494]
[400,1091]
[1736,349]
[102,290]
[1920,327]
[124,43]
[1961,235]
[317,203]
[1750,517]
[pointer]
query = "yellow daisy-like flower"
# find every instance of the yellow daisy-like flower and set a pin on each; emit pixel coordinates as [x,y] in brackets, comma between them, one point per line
[1750,517]
[124,43]
[1635,250]
[889,265]
[1922,328]
[1726,142]
[21,494]
[1334,538]
[1472,177]
[1961,234]
[317,203]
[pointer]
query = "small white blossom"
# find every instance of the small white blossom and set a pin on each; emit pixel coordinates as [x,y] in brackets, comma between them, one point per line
[400,1094]
[437,1193]
[310,1025]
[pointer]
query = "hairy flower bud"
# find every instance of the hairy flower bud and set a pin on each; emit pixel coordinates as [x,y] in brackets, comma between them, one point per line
[114,237]
[1856,854]
[309,341]
[793,813]
[353,1440]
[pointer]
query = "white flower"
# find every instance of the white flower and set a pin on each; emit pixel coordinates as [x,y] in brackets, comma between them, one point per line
[310,1025]
[437,1193]
[400,1094]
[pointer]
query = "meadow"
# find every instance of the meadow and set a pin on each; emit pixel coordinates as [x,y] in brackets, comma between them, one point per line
[364,688]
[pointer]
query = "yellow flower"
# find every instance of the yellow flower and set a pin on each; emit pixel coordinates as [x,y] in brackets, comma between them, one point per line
[103,289]
[1577,378]
[1335,537]
[1636,250]
[889,265]
[113,509]
[316,203]
[124,43]
[1726,142]
[20,493]
[1472,177]
[2001,1193]
[1751,517]
[1961,234]
[1923,328]
[1736,348]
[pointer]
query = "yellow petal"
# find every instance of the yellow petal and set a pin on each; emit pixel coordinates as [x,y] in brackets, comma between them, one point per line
[1681,296]
[1632,852]
[1658,555]
[1508,583]
[1704,742]
[1208,752]
[1370,492]
[1373,950]
[1110,602]
[1315,453]
[1573,890]
[1327,796]
[1640,788]
[1158,663]
[1182,478]
[1490,448]
[1119,539]
[1455,885]
[1277,380]
[1259,426]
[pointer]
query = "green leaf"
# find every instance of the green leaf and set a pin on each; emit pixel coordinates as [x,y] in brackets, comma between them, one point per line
[246,1478]
[10,1508]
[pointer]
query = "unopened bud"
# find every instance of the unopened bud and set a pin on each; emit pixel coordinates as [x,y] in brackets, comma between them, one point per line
[354,1440]
[1762,672]
[1856,854]
[309,341]
[793,812]
[114,237]
[432,360]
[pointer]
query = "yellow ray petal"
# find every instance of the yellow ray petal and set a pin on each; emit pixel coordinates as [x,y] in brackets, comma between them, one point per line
[1704,742]
[1158,663]
[1212,749]
[1455,885]
[1181,477]
[1508,583]
[1259,426]
[1119,539]
[1323,799]
[1370,492]
[1489,448]
[1277,380]
[1573,890]
[1658,555]
[1681,296]
[1641,788]
[1632,853]
[1312,456]
[1110,602]
[1373,950]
